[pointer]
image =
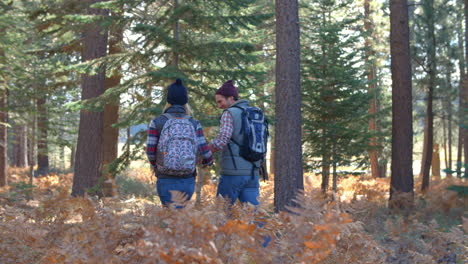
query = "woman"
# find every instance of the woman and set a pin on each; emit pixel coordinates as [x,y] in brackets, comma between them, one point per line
[175,140]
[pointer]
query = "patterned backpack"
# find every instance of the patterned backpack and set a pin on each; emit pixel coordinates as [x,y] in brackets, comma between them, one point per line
[177,147]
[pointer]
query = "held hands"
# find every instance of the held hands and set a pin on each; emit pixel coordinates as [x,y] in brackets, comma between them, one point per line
[204,165]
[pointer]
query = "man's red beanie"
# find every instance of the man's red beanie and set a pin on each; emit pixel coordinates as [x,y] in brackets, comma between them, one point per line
[228,89]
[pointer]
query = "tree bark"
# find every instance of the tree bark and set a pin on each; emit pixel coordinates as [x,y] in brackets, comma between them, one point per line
[175,61]
[72,156]
[335,176]
[3,136]
[42,146]
[444,135]
[449,132]
[429,137]
[129,138]
[448,135]
[325,173]
[31,143]
[89,157]
[401,183]
[461,66]
[111,116]
[436,162]
[465,87]
[288,145]
[31,149]
[20,157]
[373,154]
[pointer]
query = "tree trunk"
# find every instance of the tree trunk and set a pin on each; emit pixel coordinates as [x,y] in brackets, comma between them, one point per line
[448,132]
[383,168]
[32,143]
[373,154]
[401,183]
[20,158]
[325,173]
[129,138]
[89,154]
[111,116]
[461,66]
[444,130]
[175,61]
[31,148]
[429,139]
[335,176]
[288,146]
[72,156]
[3,137]
[42,146]
[465,87]
[436,162]
[199,186]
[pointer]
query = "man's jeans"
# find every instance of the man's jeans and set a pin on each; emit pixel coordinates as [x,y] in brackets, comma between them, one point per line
[164,186]
[244,188]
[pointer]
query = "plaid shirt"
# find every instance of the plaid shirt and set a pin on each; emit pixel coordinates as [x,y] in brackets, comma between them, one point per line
[153,138]
[226,128]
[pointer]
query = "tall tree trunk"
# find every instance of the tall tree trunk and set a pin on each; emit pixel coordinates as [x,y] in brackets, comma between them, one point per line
[436,162]
[32,145]
[401,183]
[89,157]
[20,158]
[465,88]
[129,138]
[72,156]
[42,145]
[429,139]
[175,61]
[199,185]
[31,148]
[111,116]
[444,135]
[461,66]
[288,146]
[32,142]
[373,154]
[335,176]
[325,172]
[449,132]
[3,136]
[448,106]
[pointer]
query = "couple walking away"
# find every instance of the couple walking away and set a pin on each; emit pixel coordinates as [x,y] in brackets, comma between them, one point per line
[176,141]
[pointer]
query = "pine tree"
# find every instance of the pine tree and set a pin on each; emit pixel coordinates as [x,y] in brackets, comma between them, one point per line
[89,149]
[335,100]
[425,47]
[401,183]
[288,150]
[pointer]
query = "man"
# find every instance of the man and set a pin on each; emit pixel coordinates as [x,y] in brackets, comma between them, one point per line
[239,177]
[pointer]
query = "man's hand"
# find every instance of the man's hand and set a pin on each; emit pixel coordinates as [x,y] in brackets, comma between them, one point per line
[204,165]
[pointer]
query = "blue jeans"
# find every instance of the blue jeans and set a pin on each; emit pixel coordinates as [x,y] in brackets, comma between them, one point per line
[164,186]
[244,188]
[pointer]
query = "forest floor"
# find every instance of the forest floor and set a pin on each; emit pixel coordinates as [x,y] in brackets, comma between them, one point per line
[44,224]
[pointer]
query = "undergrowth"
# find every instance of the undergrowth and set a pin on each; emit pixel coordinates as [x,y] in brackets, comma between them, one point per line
[44,224]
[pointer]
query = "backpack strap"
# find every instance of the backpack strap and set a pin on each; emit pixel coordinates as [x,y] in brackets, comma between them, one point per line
[168,116]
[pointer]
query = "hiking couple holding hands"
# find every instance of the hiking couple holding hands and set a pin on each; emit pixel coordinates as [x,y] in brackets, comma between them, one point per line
[176,141]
